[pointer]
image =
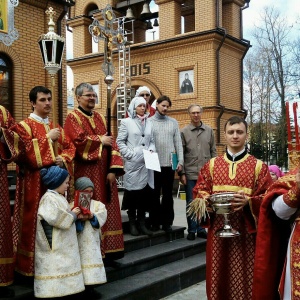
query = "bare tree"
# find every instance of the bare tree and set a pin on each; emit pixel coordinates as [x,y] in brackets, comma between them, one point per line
[273,54]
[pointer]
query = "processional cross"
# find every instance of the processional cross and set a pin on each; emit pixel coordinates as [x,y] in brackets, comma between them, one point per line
[111,36]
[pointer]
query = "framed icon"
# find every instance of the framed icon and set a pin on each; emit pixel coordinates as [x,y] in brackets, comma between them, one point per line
[186,81]
[8,33]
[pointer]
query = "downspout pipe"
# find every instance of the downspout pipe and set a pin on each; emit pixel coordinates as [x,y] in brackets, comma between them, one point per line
[60,79]
[242,79]
[222,107]
[242,61]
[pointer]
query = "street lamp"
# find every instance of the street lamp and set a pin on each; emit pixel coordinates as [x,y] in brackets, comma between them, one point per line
[52,47]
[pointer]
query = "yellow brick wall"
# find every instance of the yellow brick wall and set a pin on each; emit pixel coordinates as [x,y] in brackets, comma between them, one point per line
[28,67]
[231,19]
[196,52]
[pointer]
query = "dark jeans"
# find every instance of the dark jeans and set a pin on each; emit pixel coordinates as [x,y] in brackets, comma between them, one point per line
[162,212]
[193,226]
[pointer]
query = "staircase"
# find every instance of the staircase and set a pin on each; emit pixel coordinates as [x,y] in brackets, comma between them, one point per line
[152,268]
[155,267]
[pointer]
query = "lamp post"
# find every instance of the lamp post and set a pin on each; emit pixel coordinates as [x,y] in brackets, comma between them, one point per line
[52,47]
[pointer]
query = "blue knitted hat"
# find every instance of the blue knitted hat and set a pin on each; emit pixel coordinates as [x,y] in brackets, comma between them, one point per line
[53,177]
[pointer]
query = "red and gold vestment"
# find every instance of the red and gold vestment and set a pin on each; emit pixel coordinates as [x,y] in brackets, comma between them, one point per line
[35,151]
[91,160]
[6,248]
[229,261]
[272,242]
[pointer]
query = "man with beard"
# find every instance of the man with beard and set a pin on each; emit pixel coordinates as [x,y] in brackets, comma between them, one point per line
[98,158]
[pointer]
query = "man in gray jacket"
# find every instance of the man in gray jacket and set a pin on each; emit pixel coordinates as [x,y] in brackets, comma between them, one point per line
[198,147]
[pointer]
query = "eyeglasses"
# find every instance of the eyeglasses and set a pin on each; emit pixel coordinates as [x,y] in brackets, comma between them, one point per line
[143,95]
[90,95]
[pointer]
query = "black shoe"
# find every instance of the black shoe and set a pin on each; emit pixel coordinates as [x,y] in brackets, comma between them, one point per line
[191,236]
[202,234]
[167,228]
[155,228]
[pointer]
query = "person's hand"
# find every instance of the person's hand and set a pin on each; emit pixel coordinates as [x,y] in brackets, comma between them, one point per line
[182,179]
[54,134]
[111,179]
[106,140]
[82,217]
[59,161]
[179,168]
[76,210]
[239,201]
[298,179]
[208,204]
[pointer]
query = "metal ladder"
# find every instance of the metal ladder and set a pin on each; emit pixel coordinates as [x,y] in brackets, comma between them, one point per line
[124,91]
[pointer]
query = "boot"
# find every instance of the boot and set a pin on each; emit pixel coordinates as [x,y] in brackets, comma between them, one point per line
[144,229]
[132,224]
[132,228]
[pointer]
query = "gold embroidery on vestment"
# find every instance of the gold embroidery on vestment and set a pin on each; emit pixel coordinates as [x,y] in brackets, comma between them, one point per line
[87,149]
[37,153]
[4,113]
[57,276]
[8,260]
[111,233]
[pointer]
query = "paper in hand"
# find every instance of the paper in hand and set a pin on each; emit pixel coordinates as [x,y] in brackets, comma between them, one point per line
[151,160]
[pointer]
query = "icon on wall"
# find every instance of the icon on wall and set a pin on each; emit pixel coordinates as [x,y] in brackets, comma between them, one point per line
[8,33]
[186,81]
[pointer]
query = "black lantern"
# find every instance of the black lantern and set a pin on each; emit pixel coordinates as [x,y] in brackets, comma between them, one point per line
[51,46]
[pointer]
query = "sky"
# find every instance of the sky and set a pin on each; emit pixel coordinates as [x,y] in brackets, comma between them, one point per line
[251,16]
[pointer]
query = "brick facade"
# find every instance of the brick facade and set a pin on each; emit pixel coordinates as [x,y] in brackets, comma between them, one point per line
[211,46]
[27,65]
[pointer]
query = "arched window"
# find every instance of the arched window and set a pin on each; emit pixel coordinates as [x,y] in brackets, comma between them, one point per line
[6,82]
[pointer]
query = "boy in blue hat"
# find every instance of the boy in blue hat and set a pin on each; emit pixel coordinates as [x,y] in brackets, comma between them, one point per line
[57,265]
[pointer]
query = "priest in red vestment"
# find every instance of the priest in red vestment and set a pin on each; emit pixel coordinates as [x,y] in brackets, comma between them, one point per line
[33,140]
[87,130]
[277,259]
[6,248]
[230,261]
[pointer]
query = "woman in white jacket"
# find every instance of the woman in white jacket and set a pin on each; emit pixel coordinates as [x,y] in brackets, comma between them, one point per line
[135,135]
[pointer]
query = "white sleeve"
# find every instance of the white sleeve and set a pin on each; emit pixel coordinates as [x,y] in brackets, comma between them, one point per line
[281,209]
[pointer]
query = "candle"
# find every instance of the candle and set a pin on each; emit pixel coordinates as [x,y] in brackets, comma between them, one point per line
[295,105]
[288,123]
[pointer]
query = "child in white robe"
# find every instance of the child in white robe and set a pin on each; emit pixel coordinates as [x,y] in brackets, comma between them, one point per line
[88,234]
[57,265]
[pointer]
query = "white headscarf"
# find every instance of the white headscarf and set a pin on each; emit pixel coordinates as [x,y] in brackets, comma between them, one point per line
[142,89]
[136,101]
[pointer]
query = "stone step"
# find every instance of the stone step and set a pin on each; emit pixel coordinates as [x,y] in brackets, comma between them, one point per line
[157,283]
[133,243]
[154,256]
